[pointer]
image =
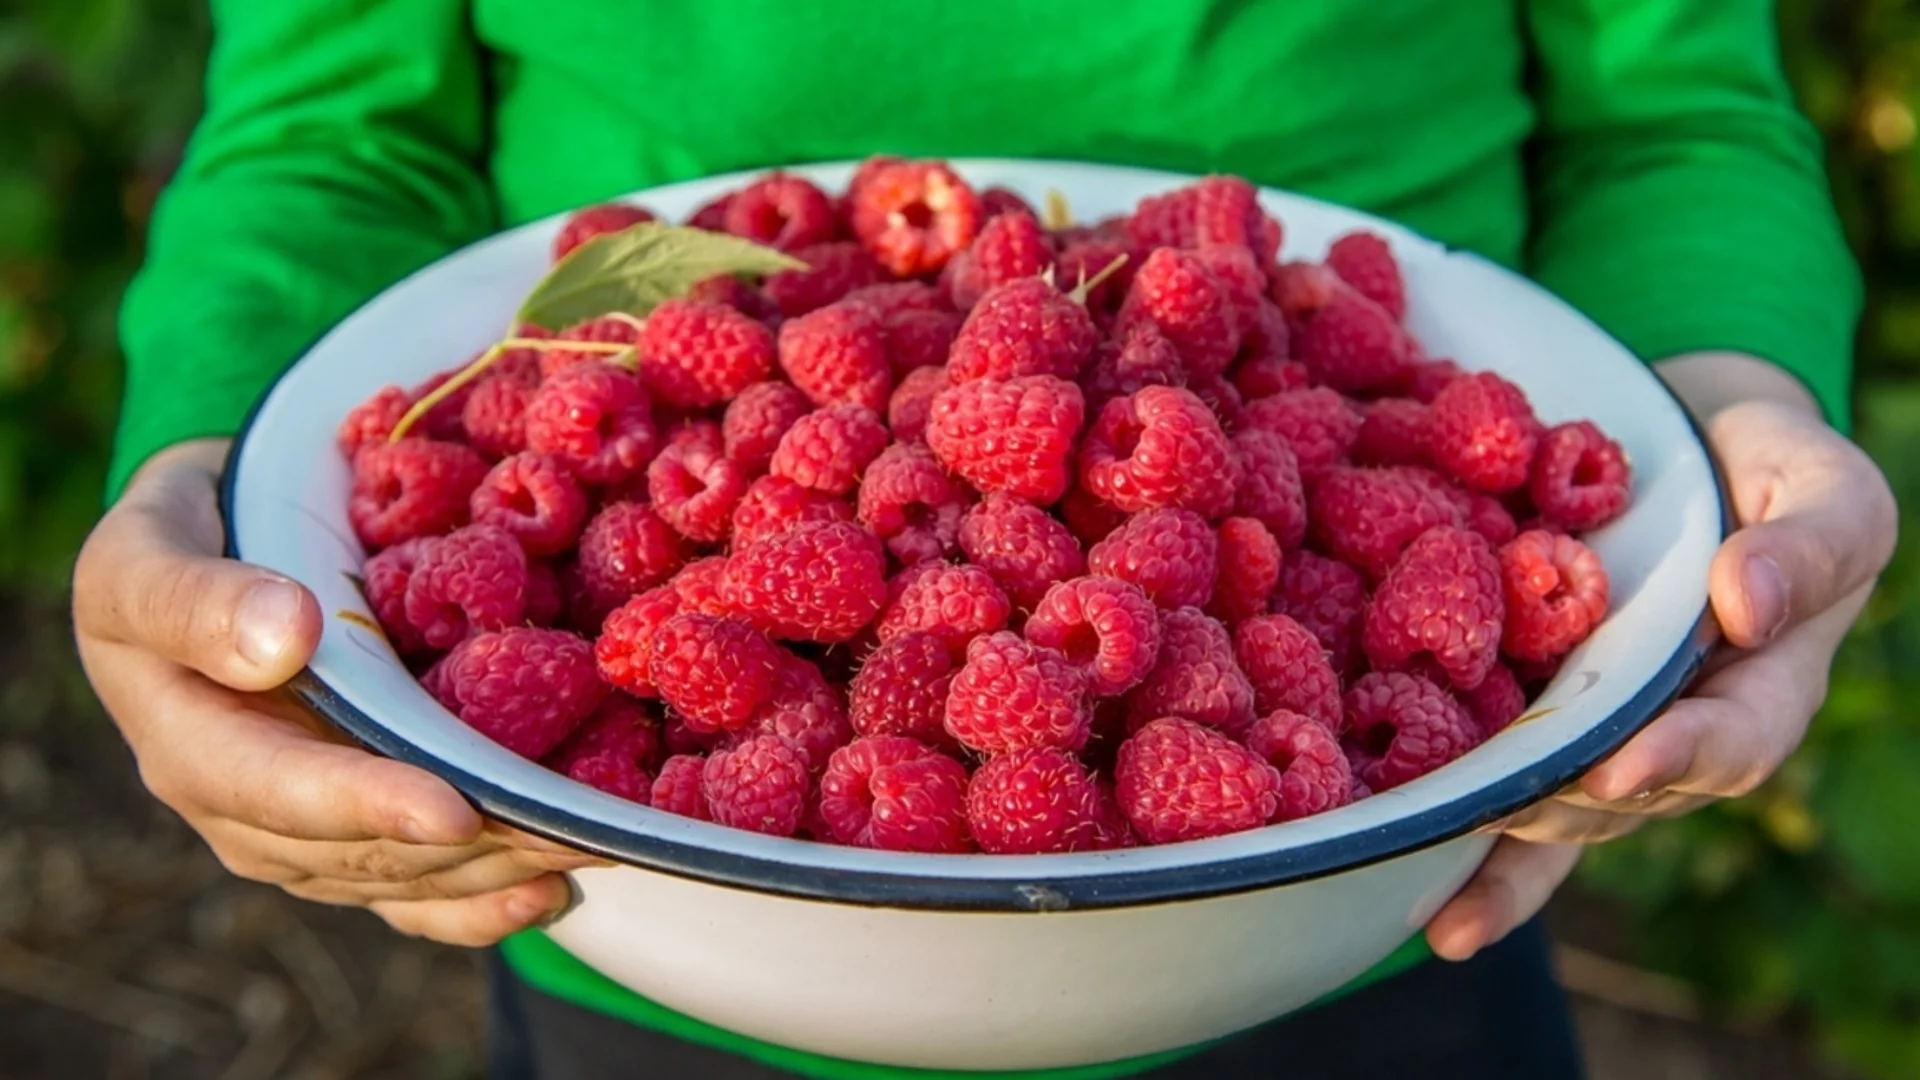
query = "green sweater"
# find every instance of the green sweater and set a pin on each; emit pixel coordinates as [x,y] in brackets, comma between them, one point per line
[1642,158]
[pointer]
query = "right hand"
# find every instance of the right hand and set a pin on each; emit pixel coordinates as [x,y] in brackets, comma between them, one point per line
[187,650]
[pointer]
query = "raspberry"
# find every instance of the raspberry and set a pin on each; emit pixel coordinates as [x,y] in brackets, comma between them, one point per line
[814,582]
[523,688]
[833,271]
[783,211]
[1104,626]
[1329,599]
[911,504]
[760,785]
[1010,247]
[678,788]
[1024,327]
[1160,448]
[1556,593]
[1484,433]
[998,200]
[1024,548]
[1315,775]
[1249,570]
[1089,519]
[954,603]
[1394,431]
[804,709]
[1352,344]
[604,330]
[1014,436]
[534,498]
[827,450]
[894,298]
[1220,397]
[1485,515]
[730,291]
[624,550]
[1424,379]
[695,354]
[472,579]
[1442,599]
[837,355]
[495,416]
[1212,210]
[895,794]
[1011,694]
[1266,344]
[912,403]
[1367,517]
[620,727]
[384,581]
[1178,781]
[1580,478]
[1270,489]
[596,419]
[1264,378]
[1496,702]
[1318,425]
[1195,677]
[624,648]
[583,225]
[1244,286]
[919,339]
[756,419]
[902,689]
[1081,260]
[1174,291]
[695,487]
[774,504]
[1364,261]
[1034,801]
[912,216]
[714,672]
[1401,726]
[1171,554]
[1302,288]
[712,216]
[1141,358]
[546,603]
[1288,669]
[370,422]
[415,487]
[616,775]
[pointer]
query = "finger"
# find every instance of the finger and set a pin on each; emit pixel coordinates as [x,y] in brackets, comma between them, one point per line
[1557,822]
[481,920]
[1507,890]
[476,876]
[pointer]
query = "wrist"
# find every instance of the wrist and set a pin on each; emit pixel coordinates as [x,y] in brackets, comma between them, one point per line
[1708,383]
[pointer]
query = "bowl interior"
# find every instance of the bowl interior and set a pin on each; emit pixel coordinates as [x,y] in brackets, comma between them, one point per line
[287,486]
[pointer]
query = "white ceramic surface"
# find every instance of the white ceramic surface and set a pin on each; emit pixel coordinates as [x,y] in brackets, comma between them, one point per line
[1045,960]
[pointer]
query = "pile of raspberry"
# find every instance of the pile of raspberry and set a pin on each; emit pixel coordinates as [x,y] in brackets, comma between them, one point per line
[978,535]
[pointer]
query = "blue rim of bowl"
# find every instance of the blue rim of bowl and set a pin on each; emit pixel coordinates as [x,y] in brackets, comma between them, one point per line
[1079,892]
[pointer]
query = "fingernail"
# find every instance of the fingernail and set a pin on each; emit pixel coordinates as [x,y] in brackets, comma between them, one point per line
[265,624]
[1766,596]
[530,912]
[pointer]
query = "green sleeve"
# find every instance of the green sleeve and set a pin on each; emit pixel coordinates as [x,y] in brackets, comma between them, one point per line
[1678,195]
[339,150]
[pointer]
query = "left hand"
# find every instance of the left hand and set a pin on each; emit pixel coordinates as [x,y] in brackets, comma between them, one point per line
[1817,524]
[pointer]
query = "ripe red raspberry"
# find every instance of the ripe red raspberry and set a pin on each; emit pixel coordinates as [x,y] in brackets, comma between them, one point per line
[919,339]
[1178,781]
[1221,398]
[893,298]
[833,271]
[1315,775]
[1401,726]
[1010,247]
[912,403]
[1081,260]
[1035,801]
[712,216]
[370,422]
[761,785]
[624,647]
[1105,626]
[596,419]
[1485,515]
[621,727]
[1367,517]
[695,487]
[999,200]
[1556,593]
[1442,599]
[1484,432]
[774,504]
[1177,293]
[604,330]
[1195,677]
[698,585]
[695,354]
[714,672]
[415,487]
[1328,598]
[470,580]
[1024,548]
[954,603]
[1160,448]
[1423,380]
[1256,379]
[1302,288]
[1580,477]
[1288,669]
[1318,425]
[1270,488]
[756,419]
[546,602]
[837,355]
[1496,702]
[1011,694]
[1244,285]
[677,738]
[1249,570]
[1024,327]
[912,216]
[1364,261]
[495,415]
[814,582]
[1212,210]
[1352,344]
[1014,436]
[611,773]
[892,793]
[804,709]
[534,498]
[678,788]
[730,291]
[911,504]
[827,450]
[1394,431]
[901,689]
[783,211]
[523,688]
[1171,554]
[1142,357]
[384,582]
[583,225]
[624,550]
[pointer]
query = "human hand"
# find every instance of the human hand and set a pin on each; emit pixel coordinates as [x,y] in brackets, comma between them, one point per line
[1817,524]
[186,650]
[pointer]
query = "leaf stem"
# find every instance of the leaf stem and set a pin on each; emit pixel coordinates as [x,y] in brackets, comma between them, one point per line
[446,390]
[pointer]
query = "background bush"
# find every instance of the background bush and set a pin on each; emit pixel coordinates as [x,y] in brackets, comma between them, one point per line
[1802,902]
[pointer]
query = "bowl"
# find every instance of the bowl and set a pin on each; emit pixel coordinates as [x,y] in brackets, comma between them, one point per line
[1005,962]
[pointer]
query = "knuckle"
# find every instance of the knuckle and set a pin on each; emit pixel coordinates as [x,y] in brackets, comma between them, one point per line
[375,862]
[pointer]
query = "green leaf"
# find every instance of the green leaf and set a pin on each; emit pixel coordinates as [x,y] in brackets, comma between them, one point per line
[1869,800]
[634,270]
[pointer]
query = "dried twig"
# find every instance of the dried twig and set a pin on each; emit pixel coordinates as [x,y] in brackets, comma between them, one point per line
[111,1002]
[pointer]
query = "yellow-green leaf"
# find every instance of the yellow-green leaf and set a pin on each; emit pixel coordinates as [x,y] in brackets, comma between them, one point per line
[634,270]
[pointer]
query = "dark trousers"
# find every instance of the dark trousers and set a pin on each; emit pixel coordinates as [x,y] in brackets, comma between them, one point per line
[1499,1016]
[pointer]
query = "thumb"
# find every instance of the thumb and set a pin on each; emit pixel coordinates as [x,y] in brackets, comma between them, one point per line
[151,577]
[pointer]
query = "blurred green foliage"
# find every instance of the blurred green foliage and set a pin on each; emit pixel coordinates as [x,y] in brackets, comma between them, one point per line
[1802,902]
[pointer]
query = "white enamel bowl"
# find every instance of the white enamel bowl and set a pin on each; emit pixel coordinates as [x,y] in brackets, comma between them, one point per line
[984,962]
